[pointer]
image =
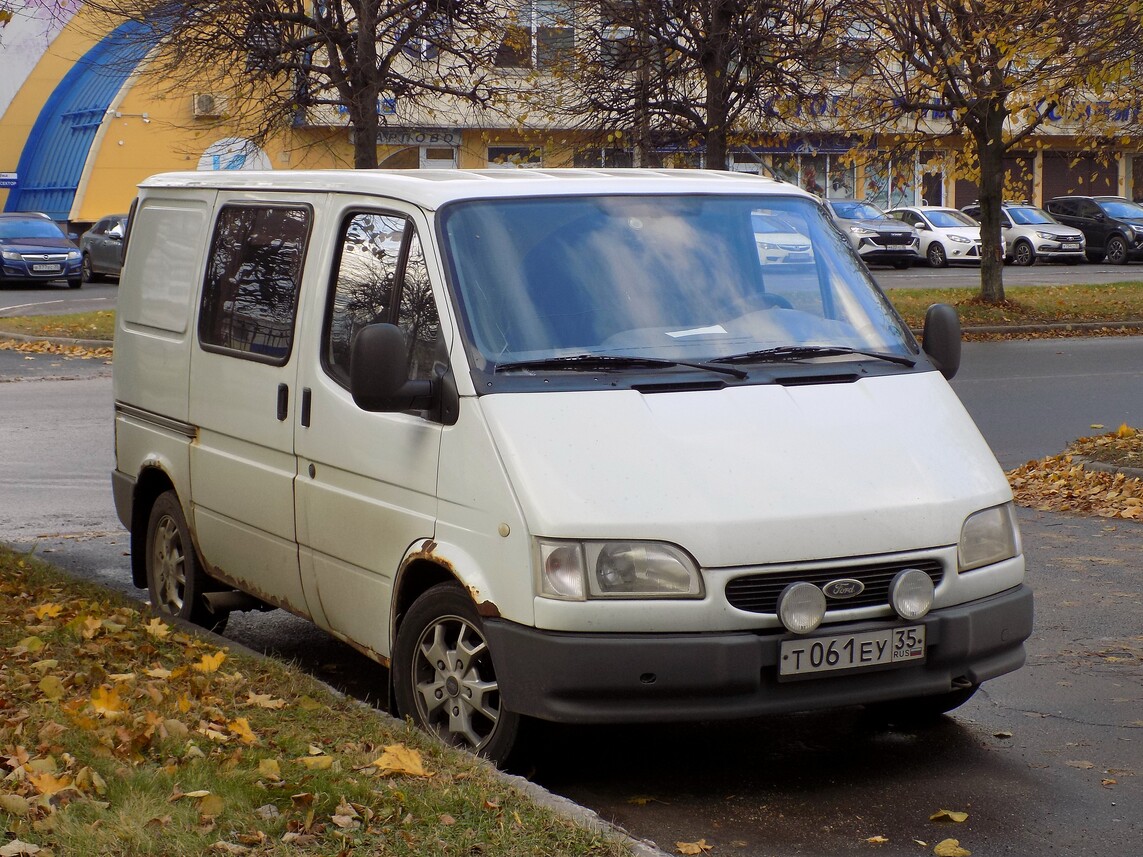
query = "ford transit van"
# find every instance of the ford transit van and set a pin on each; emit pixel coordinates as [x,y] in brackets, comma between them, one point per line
[566,445]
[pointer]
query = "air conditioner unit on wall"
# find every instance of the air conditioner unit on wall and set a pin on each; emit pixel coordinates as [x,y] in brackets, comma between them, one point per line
[207,105]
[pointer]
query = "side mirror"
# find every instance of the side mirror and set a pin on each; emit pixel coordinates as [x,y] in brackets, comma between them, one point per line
[379,371]
[920,225]
[115,233]
[941,339]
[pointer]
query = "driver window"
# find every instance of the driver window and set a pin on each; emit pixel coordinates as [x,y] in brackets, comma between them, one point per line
[381,277]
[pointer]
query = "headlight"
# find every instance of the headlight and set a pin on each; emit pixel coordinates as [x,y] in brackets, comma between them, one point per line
[12,256]
[73,255]
[636,569]
[960,239]
[862,230]
[988,536]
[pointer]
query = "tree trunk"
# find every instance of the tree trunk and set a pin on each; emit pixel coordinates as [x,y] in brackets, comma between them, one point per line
[716,61]
[990,151]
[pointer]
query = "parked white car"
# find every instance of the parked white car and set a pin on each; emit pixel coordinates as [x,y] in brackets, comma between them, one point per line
[779,242]
[947,235]
[1030,233]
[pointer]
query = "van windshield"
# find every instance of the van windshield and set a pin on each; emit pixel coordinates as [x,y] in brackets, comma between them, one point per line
[683,278]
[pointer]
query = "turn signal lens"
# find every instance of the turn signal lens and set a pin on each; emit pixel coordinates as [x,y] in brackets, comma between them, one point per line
[561,570]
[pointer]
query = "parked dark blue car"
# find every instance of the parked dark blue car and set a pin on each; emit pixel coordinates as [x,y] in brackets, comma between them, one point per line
[35,248]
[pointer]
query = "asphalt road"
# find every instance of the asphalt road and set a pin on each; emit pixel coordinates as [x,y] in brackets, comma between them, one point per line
[1048,760]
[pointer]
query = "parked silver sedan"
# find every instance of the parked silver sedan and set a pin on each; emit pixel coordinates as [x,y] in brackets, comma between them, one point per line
[102,248]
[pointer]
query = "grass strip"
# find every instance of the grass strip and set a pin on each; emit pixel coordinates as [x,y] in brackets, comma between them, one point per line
[122,734]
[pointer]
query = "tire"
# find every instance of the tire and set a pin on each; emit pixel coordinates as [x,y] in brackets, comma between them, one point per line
[936,255]
[444,678]
[902,264]
[88,270]
[1095,256]
[921,710]
[74,283]
[175,579]
[1023,254]
[1116,250]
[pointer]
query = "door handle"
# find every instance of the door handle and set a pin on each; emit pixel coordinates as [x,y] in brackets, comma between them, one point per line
[283,402]
[307,396]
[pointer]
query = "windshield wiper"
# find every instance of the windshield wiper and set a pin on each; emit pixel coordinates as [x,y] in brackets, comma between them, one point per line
[802,352]
[615,361]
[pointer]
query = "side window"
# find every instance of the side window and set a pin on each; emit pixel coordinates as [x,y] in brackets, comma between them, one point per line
[253,275]
[381,277]
[1088,209]
[417,313]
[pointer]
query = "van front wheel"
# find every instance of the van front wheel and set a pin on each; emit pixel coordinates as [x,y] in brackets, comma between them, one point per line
[175,580]
[444,677]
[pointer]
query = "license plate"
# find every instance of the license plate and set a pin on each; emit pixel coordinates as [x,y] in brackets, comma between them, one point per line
[45,267]
[852,651]
[898,247]
[1068,245]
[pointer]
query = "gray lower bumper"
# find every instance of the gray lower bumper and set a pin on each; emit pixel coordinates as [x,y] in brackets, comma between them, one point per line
[611,678]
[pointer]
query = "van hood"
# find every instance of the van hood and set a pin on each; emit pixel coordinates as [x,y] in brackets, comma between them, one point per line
[750,474]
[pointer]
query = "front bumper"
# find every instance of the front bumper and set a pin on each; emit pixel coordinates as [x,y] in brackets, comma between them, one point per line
[612,678]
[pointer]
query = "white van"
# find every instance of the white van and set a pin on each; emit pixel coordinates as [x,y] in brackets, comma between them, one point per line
[566,445]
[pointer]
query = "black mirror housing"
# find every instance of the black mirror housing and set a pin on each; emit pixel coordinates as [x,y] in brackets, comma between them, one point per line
[941,339]
[379,372]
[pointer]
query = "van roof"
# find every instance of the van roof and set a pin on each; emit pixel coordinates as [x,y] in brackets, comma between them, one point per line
[433,188]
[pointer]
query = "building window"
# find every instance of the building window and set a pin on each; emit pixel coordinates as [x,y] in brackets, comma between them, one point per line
[514,156]
[250,297]
[603,157]
[540,34]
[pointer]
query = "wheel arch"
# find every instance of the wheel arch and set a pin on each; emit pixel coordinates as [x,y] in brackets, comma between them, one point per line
[152,482]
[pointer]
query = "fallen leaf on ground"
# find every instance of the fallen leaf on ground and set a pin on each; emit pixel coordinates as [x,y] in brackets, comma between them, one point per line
[399,759]
[1081,764]
[699,847]
[878,840]
[949,815]
[951,848]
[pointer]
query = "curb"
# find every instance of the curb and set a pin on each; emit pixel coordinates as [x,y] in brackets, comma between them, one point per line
[54,340]
[1103,467]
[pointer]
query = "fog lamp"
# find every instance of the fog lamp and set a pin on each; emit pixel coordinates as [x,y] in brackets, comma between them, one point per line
[911,593]
[801,607]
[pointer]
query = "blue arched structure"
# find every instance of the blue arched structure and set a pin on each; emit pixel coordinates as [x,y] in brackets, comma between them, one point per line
[52,161]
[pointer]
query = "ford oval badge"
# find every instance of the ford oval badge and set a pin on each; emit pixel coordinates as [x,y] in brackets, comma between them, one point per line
[844,588]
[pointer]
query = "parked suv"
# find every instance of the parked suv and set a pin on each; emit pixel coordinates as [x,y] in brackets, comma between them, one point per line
[877,237]
[1030,233]
[1113,225]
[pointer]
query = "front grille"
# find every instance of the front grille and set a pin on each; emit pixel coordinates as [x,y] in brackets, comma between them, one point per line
[886,239]
[43,258]
[758,593]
